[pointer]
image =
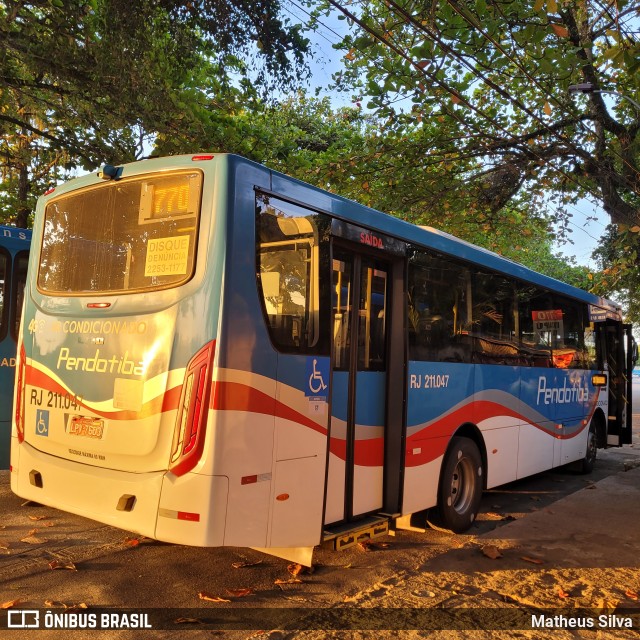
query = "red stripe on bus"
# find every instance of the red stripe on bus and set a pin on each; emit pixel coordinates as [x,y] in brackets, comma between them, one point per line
[167,401]
[235,396]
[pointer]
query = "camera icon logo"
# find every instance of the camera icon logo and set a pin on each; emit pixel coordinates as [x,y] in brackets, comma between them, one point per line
[23,619]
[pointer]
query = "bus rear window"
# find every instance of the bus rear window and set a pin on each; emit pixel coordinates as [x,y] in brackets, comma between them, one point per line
[119,237]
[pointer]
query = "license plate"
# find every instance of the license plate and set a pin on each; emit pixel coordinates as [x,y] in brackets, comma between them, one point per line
[85,426]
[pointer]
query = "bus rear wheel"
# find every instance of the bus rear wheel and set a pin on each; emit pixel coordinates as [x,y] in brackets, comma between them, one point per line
[460,487]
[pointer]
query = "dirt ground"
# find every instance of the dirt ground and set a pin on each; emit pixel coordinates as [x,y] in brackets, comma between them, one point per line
[575,562]
[494,592]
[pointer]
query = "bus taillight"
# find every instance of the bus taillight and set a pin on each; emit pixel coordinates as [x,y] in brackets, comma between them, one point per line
[20,394]
[188,439]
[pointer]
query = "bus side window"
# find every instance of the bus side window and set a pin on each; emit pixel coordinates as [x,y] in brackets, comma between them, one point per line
[571,350]
[288,247]
[535,340]
[494,328]
[438,299]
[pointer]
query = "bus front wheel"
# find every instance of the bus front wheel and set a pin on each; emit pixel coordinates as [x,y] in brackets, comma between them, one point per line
[587,463]
[460,487]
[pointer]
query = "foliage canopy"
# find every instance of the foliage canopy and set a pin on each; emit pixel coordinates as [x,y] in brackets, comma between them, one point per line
[487,82]
[85,81]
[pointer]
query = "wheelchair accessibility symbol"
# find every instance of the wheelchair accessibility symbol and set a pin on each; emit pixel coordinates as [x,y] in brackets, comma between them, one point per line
[317,377]
[42,422]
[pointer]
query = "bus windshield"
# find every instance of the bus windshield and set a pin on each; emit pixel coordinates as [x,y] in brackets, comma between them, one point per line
[121,237]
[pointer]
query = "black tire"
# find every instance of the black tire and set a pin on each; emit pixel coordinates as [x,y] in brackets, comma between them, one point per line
[587,463]
[460,489]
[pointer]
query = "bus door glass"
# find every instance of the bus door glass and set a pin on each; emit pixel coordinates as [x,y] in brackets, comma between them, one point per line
[614,359]
[360,295]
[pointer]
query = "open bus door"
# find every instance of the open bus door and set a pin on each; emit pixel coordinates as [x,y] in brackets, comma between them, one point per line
[618,355]
[363,489]
[631,351]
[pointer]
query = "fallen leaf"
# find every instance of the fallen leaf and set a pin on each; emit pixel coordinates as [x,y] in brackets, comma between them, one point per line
[131,542]
[64,605]
[290,581]
[55,603]
[297,570]
[239,593]
[632,595]
[10,603]
[491,551]
[532,560]
[36,518]
[31,539]
[57,564]
[562,593]
[188,621]
[368,545]
[241,565]
[607,605]
[203,595]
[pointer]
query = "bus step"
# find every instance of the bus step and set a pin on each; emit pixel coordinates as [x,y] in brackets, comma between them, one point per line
[348,535]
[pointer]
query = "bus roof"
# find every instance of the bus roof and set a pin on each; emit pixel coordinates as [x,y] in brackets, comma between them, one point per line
[353,212]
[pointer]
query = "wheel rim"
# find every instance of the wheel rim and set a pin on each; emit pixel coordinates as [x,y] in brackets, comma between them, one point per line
[462,486]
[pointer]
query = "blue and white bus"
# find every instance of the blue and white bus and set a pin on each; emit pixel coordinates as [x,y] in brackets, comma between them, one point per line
[14,256]
[214,353]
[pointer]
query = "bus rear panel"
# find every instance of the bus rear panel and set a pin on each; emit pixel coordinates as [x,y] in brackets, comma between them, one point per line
[118,346]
